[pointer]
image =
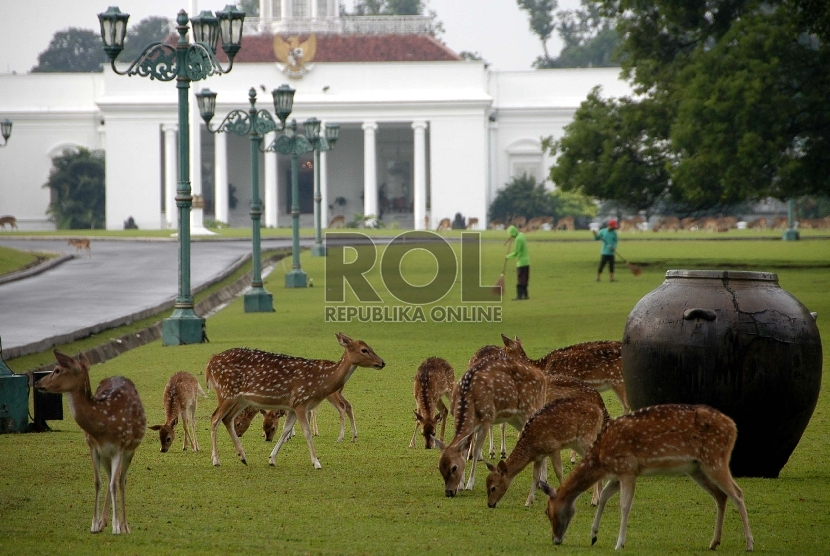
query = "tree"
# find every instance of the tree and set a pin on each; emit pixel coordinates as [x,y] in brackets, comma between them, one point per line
[78,189]
[72,50]
[250,7]
[397,7]
[521,197]
[607,152]
[540,13]
[149,30]
[731,107]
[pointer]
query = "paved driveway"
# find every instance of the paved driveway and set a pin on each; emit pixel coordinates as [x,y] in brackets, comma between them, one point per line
[119,279]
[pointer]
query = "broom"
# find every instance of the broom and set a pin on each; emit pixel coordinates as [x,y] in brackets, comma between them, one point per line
[499,287]
[635,270]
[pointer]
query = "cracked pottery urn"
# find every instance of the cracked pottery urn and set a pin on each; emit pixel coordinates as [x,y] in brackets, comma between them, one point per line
[733,340]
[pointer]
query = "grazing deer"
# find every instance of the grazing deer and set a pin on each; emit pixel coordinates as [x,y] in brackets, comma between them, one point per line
[573,422]
[486,352]
[270,420]
[79,244]
[180,396]
[10,220]
[492,391]
[565,223]
[434,381]
[444,224]
[472,223]
[243,377]
[597,363]
[113,422]
[695,440]
[338,221]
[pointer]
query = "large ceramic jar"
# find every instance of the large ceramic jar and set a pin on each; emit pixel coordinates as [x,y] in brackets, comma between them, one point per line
[735,341]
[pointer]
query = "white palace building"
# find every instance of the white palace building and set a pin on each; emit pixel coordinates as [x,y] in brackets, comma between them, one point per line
[424,134]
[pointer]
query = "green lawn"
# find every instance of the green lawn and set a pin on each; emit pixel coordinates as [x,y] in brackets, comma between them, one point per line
[376,496]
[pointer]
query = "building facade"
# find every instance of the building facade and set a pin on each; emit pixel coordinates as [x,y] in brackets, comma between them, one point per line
[424,134]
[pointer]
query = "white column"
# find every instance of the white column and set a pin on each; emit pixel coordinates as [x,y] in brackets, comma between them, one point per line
[171,174]
[419,209]
[313,9]
[324,190]
[220,164]
[370,178]
[287,10]
[270,205]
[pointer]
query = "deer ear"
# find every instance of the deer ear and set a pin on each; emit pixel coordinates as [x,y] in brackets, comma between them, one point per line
[154,427]
[546,488]
[441,445]
[505,339]
[174,422]
[418,416]
[502,467]
[490,466]
[63,359]
[343,339]
[518,341]
[438,417]
[465,442]
[83,360]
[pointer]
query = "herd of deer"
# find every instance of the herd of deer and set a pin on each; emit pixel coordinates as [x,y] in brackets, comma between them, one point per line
[553,401]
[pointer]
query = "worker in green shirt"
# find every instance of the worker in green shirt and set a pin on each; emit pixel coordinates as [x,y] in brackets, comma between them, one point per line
[608,237]
[522,262]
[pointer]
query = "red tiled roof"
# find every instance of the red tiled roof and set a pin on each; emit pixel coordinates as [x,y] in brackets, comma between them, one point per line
[353,48]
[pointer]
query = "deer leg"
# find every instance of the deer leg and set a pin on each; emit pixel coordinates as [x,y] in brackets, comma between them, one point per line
[235,410]
[218,415]
[350,413]
[538,466]
[503,451]
[478,445]
[312,415]
[302,417]
[723,480]
[114,482]
[556,459]
[720,502]
[287,429]
[126,460]
[619,390]
[627,484]
[194,440]
[610,490]
[415,434]
[97,526]
[492,444]
[444,412]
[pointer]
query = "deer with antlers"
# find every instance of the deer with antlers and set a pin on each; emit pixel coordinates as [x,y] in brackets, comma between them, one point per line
[493,390]
[695,440]
[179,397]
[434,382]
[247,377]
[598,363]
[571,422]
[113,422]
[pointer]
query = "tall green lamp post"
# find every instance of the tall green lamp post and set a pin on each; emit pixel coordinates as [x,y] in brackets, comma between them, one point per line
[183,62]
[254,124]
[292,143]
[791,233]
[320,144]
[6,131]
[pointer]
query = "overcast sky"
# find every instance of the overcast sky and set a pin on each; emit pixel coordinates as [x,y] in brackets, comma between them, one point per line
[497,29]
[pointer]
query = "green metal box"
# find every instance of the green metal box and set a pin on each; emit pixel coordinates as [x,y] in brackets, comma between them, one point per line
[14,401]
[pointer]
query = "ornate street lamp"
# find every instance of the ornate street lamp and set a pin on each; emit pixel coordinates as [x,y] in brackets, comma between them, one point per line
[320,144]
[184,62]
[791,233]
[6,131]
[254,124]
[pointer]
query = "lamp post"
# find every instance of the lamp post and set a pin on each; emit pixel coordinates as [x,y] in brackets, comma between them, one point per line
[184,62]
[254,124]
[791,233]
[6,131]
[320,144]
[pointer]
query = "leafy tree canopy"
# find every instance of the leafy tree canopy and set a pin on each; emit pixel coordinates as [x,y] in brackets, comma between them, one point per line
[149,30]
[250,7]
[78,189]
[731,107]
[522,196]
[72,50]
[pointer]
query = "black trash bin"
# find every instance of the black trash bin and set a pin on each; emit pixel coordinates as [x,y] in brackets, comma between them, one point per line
[48,406]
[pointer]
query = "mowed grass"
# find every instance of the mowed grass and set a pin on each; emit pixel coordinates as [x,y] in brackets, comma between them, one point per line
[377,496]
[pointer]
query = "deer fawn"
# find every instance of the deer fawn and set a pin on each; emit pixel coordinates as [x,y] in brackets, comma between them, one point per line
[597,363]
[113,422]
[571,422]
[243,377]
[663,439]
[434,381]
[180,400]
[492,391]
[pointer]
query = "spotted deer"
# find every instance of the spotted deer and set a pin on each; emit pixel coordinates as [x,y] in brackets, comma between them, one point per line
[179,397]
[338,221]
[598,363]
[80,244]
[492,391]
[270,420]
[572,422]
[444,224]
[247,377]
[695,440]
[433,383]
[486,352]
[113,422]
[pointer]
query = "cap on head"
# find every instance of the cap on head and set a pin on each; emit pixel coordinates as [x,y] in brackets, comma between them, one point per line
[513,231]
[612,224]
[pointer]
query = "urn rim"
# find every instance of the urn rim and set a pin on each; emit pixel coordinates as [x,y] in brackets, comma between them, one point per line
[723,275]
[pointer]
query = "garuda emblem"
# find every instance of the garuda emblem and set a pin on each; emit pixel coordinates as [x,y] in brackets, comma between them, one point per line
[294,56]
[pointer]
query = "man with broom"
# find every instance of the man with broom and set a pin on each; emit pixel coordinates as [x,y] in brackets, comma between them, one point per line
[608,237]
[522,262]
